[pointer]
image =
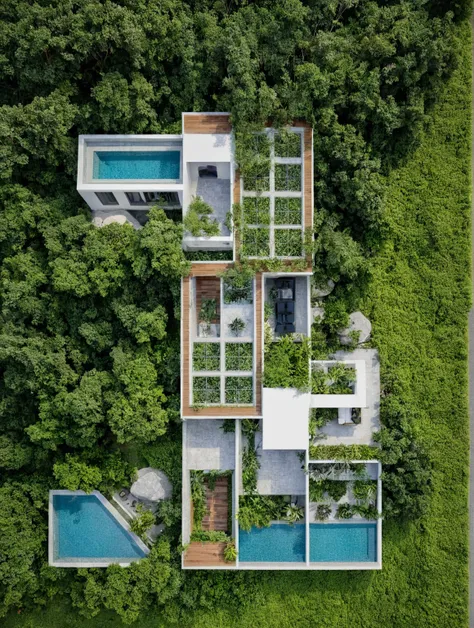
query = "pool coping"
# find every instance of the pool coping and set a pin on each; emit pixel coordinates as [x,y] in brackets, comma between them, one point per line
[113,511]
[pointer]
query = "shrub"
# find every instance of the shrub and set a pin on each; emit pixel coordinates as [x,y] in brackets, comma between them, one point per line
[197,222]
[287,364]
[323,511]
[343,378]
[288,177]
[198,497]
[287,144]
[256,210]
[208,311]
[368,511]
[206,390]
[238,356]
[237,326]
[319,380]
[293,513]
[345,452]
[320,417]
[206,356]
[141,524]
[239,390]
[288,243]
[209,536]
[260,510]
[230,552]
[288,211]
[256,242]
[345,511]
[238,284]
[336,489]
[364,489]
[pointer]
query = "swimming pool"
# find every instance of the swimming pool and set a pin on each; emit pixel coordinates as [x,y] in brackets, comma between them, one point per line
[85,531]
[343,542]
[278,543]
[135,164]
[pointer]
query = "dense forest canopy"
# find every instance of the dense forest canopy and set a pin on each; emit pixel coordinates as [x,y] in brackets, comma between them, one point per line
[89,337]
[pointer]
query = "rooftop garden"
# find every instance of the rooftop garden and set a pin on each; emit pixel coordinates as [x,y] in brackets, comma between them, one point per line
[342,491]
[286,363]
[336,379]
[206,356]
[238,356]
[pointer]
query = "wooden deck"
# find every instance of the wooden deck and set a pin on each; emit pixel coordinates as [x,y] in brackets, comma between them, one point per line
[205,555]
[213,270]
[206,123]
[217,502]
[208,288]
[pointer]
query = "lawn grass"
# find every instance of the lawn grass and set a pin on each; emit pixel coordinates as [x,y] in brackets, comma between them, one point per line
[417,299]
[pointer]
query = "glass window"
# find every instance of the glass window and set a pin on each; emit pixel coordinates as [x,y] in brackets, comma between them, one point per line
[135,198]
[106,198]
[164,198]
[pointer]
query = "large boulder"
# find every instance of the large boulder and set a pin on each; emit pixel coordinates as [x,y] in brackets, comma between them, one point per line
[358,323]
[121,220]
[152,485]
[322,291]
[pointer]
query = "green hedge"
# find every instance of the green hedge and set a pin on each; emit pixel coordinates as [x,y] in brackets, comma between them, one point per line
[344,452]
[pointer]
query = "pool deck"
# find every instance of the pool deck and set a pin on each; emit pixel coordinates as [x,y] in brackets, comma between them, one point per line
[93,563]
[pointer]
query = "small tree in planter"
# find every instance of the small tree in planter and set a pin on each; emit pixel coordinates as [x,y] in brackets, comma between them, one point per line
[237,326]
[197,221]
[345,511]
[230,552]
[208,310]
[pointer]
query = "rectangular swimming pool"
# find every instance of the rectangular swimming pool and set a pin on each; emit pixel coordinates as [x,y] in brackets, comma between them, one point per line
[84,530]
[278,543]
[343,542]
[135,164]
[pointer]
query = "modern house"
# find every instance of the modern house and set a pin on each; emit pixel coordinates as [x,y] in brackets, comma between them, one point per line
[245,442]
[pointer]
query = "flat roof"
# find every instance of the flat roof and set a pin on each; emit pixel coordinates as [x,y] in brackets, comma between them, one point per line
[285,418]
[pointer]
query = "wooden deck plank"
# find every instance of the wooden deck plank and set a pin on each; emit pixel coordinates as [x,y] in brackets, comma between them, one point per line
[206,123]
[217,503]
[205,555]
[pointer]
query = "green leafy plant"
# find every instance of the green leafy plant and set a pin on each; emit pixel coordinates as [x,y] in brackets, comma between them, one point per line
[256,210]
[293,514]
[239,390]
[198,497]
[316,490]
[368,511]
[256,242]
[288,243]
[343,379]
[228,426]
[237,326]
[210,536]
[319,417]
[288,177]
[238,284]
[238,356]
[319,381]
[197,222]
[142,524]
[206,390]
[287,364]
[288,211]
[230,552]
[206,356]
[364,489]
[323,511]
[208,311]
[287,144]
[336,489]
[345,511]
[260,510]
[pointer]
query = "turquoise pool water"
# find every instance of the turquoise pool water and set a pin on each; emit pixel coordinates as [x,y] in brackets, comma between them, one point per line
[85,530]
[133,164]
[343,542]
[278,543]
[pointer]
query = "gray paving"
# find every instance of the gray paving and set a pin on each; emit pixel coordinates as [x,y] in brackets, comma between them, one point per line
[216,192]
[280,472]
[207,446]
[362,434]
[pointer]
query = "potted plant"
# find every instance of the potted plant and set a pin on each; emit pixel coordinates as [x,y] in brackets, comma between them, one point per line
[208,310]
[237,326]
